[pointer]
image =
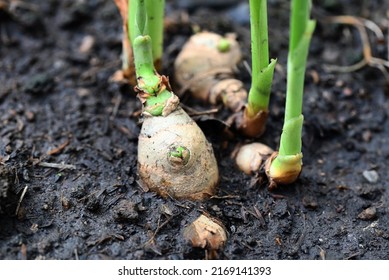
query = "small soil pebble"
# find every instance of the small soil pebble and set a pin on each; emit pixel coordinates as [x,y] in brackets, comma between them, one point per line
[371,176]
[125,210]
[368,214]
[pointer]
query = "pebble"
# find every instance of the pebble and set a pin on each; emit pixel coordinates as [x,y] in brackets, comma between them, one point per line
[309,202]
[368,214]
[125,210]
[371,176]
[39,83]
[65,203]
[87,44]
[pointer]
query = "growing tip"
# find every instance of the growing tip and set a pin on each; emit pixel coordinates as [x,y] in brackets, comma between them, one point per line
[283,170]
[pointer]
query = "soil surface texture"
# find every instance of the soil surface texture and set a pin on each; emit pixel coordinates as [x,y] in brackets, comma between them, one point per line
[69,187]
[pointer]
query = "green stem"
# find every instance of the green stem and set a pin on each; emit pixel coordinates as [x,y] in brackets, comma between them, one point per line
[298,21]
[259,36]
[137,19]
[148,17]
[144,65]
[259,94]
[300,36]
[301,33]
[262,71]
[155,15]
[286,166]
[153,89]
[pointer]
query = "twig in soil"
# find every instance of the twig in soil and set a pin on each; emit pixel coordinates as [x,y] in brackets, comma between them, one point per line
[206,112]
[368,59]
[322,253]
[59,149]
[76,254]
[57,165]
[20,200]
[23,251]
[125,131]
[117,101]
[297,245]
[89,195]
[151,242]
[259,216]
[244,244]
[225,196]
[104,238]
[277,196]
[142,186]
[358,21]
[192,112]
[353,256]
[159,226]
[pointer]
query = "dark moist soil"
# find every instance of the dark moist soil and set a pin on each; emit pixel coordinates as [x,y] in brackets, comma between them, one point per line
[68,179]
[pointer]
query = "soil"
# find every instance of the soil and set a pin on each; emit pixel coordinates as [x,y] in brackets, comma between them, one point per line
[68,178]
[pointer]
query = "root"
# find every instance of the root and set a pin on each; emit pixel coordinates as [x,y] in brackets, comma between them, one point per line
[361,24]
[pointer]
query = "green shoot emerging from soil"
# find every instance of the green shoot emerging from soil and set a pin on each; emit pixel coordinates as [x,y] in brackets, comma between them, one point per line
[153,89]
[153,21]
[256,111]
[262,71]
[155,12]
[285,166]
[172,150]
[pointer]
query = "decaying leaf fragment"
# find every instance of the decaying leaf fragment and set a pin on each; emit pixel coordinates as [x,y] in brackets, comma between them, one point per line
[207,233]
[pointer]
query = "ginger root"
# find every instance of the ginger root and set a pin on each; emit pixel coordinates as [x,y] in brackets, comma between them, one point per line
[174,157]
[205,67]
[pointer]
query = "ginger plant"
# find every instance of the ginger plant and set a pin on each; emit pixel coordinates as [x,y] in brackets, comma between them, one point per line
[205,67]
[255,114]
[284,166]
[174,157]
[155,12]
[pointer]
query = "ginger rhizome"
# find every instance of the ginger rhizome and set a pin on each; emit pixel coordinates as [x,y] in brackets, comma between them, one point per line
[174,157]
[205,67]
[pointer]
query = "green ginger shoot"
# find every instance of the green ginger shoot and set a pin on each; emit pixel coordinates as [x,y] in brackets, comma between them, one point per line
[284,167]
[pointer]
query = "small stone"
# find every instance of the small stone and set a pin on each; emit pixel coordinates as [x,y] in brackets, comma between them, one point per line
[369,191]
[34,228]
[347,91]
[309,202]
[65,203]
[30,116]
[93,204]
[125,210]
[78,191]
[366,136]
[368,214]
[82,92]
[165,209]
[371,176]
[215,208]
[39,83]
[87,44]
